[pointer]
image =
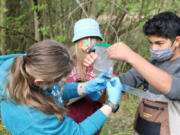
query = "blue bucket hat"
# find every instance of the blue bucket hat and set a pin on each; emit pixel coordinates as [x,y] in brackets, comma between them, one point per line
[86,27]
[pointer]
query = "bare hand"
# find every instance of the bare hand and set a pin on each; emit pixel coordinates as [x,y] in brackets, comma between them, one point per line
[120,51]
[89,59]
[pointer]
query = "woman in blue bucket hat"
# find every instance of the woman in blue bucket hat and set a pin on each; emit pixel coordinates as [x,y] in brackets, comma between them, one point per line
[86,27]
[86,35]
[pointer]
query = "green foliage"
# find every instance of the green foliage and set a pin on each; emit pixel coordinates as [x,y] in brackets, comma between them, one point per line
[176,6]
[38,7]
[3,130]
[102,4]
[1,37]
[121,123]
[4,10]
[8,51]
[2,1]
[21,17]
[120,20]
[45,30]
[133,7]
[54,19]
[55,26]
[60,38]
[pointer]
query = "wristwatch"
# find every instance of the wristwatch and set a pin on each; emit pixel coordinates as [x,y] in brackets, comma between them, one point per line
[114,107]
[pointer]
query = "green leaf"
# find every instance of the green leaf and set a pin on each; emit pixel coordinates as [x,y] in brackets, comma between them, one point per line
[60,38]
[21,17]
[45,30]
[38,7]
[4,10]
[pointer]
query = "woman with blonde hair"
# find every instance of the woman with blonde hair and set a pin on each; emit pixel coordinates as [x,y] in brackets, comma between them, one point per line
[86,36]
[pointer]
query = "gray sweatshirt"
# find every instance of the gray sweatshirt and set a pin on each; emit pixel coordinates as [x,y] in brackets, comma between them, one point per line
[134,79]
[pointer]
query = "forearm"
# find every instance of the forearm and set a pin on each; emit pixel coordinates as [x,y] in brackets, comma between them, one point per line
[107,110]
[81,89]
[158,78]
[70,91]
[94,122]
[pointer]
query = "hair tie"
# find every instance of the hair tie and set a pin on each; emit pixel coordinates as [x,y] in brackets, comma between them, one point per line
[24,59]
[24,62]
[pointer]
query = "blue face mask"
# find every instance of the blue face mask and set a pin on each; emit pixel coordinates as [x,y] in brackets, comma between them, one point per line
[55,91]
[162,55]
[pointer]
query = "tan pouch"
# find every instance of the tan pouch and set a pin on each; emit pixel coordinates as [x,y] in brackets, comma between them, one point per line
[152,118]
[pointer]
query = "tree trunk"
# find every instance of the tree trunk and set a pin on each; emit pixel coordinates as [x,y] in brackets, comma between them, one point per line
[37,22]
[2,31]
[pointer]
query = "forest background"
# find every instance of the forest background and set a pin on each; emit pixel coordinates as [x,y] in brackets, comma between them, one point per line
[24,22]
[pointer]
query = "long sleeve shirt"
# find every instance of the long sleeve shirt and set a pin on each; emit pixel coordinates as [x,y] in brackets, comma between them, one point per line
[25,120]
[134,79]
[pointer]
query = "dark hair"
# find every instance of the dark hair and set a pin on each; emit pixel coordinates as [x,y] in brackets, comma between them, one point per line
[165,24]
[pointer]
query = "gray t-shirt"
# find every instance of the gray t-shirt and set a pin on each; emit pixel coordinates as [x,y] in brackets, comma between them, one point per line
[134,79]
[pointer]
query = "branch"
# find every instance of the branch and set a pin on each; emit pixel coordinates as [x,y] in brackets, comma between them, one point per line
[118,6]
[84,11]
[74,10]
[177,4]
[17,32]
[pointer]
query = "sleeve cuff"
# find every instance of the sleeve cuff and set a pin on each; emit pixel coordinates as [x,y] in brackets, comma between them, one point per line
[174,93]
[70,91]
[97,119]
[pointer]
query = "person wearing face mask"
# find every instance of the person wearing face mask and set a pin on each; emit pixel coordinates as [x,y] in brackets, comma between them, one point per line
[32,91]
[86,35]
[160,76]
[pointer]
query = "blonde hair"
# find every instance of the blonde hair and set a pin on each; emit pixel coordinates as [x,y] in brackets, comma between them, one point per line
[48,60]
[79,55]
